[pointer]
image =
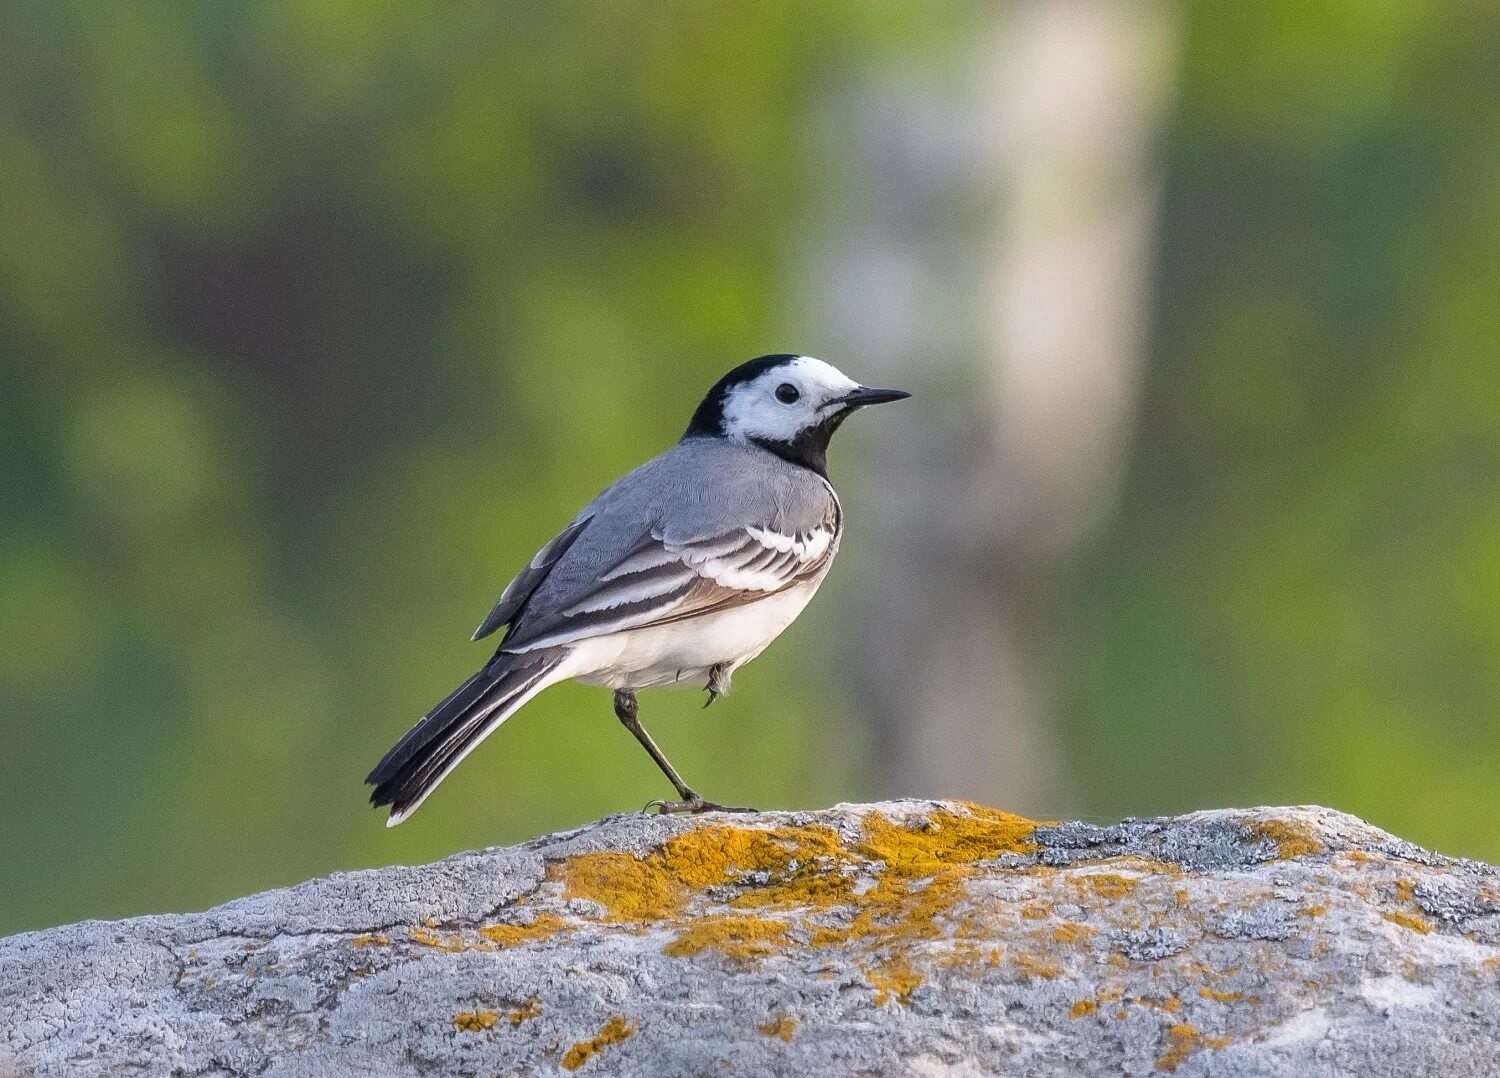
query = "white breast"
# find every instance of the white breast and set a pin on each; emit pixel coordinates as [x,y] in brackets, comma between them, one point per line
[685,651]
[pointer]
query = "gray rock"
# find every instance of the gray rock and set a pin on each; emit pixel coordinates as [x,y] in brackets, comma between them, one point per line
[1149,944]
[922,938]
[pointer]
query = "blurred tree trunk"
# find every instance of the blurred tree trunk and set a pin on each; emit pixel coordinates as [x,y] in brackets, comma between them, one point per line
[980,514]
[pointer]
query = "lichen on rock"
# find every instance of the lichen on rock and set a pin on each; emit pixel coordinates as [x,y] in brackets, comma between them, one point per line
[905,937]
[616,1030]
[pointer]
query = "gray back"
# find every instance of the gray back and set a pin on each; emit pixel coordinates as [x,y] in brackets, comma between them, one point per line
[698,489]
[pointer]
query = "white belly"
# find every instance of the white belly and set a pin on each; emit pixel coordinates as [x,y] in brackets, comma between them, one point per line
[685,651]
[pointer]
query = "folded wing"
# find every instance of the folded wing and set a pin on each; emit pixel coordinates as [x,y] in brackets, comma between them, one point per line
[660,580]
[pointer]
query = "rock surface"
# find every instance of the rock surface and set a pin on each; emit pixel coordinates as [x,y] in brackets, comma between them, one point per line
[909,937]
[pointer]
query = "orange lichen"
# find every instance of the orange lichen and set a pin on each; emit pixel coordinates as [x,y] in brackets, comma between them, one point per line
[739,937]
[614,1031]
[1220,997]
[964,954]
[628,888]
[782,1028]
[1036,911]
[1292,839]
[895,912]
[1313,911]
[1105,884]
[1031,966]
[1181,1040]
[785,866]
[428,939]
[710,856]
[370,940]
[1083,1008]
[1171,1005]
[474,1021]
[893,977]
[532,1008]
[899,883]
[1408,920]
[970,926]
[944,838]
[804,867]
[544,926]
[1072,932]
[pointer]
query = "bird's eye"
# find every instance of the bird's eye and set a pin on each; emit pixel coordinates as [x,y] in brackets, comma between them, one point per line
[787,393]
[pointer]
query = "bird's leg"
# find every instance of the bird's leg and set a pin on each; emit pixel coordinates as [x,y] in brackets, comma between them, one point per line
[627,710]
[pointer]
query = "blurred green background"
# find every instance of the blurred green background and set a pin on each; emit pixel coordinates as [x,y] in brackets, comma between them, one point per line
[318,318]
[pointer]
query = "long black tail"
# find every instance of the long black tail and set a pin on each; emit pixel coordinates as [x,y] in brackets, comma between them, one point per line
[450,731]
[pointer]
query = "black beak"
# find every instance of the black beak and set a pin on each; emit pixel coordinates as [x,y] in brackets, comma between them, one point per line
[864,395]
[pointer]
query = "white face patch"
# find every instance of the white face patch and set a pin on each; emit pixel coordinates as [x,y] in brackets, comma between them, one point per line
[784,401]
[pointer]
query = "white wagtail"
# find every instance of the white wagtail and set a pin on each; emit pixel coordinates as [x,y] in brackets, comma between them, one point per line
[680,572]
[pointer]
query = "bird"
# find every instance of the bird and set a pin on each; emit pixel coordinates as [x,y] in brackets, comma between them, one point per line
[679,573]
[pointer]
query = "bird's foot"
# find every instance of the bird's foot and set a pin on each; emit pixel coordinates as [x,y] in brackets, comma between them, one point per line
[718,682]
[692,806]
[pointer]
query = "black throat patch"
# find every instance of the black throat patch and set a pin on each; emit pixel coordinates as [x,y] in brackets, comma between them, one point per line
[810,448]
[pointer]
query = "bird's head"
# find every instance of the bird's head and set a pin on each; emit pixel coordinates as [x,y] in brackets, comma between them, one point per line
[788,404]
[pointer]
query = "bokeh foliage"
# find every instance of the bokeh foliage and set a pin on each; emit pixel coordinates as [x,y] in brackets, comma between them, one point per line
[317,317]
[1299,598]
